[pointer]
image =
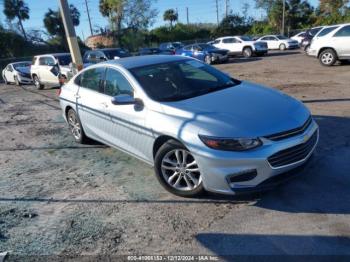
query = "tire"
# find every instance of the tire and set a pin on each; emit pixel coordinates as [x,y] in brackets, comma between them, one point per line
[283,47]
[171,171]
[328,57]
[5,80]
[247,52]
[17,82]
[37,83]
[207,59]
[75,127]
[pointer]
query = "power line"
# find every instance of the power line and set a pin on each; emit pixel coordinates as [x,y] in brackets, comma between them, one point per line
[217,12]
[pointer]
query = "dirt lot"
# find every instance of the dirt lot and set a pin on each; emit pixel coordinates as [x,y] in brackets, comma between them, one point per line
[61,198]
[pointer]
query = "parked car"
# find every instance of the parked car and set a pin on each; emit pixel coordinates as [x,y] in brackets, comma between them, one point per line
[200,128]
[241,45]
[100,55]
[331,44]
[48,69]
[279,42]
[204,52]
[18,73]
[309,34]
[153,51]
[299,37]
[170,47]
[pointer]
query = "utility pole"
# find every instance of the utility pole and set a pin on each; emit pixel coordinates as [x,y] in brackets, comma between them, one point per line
[70,34]
[188,20]
[217,12]
[88,14]
[283,16]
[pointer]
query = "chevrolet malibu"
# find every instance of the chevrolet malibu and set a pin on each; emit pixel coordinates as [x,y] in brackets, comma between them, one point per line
[201,129]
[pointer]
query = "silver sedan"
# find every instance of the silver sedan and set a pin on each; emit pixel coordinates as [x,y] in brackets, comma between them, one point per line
[200,128]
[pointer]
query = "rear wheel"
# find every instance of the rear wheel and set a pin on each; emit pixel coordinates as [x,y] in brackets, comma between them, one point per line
[247,52]
[283,47]
[5,80]
[37,83]
[177,170]
[75,127]
[328,57]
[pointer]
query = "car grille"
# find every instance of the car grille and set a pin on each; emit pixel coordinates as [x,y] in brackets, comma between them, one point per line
[293,154]
[290,133]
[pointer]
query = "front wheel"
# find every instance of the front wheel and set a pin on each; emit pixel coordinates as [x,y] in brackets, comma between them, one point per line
[37,83]
[17,81]
[283,47]
[328,57]
[177,170]
[207,59]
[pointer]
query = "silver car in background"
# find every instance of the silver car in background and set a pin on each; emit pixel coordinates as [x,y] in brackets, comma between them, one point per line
[199,128]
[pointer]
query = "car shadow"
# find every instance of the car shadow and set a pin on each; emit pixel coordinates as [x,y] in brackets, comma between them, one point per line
[255,245]
[236,60]
[283,53]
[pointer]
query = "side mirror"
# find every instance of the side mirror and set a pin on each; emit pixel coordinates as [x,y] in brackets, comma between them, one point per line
[123,100]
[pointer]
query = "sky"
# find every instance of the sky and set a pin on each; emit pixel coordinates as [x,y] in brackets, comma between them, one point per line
[203,11]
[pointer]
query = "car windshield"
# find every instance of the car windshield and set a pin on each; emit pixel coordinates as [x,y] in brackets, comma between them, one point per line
[64,60]
[246,38]
[179,80]
[20,65]
[281,37]
[114,52]
[177,45]
[326,31]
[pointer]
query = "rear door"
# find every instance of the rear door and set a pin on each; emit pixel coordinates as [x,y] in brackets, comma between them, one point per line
[92,104]
[341,40]
[46,70]
[198,53]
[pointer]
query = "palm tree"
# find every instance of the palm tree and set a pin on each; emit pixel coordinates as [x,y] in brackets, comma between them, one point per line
[171,16]
[17,9]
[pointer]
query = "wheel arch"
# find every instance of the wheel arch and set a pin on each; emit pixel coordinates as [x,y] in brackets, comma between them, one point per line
[161,140]
[325,48]
[247,46]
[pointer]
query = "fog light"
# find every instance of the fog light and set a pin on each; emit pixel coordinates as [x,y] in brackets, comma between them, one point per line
[243,176]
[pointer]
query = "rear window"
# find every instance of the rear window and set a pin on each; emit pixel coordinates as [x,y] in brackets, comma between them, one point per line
[327,30]
[64,60]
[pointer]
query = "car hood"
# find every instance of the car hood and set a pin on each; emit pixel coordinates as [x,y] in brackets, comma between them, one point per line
[245,110]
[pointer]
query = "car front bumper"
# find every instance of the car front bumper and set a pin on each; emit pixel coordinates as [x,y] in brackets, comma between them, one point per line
[312,52]
[218,168]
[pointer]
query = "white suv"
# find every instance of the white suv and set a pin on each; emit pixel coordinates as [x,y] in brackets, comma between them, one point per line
[238,45]
[332,43]
[47,69]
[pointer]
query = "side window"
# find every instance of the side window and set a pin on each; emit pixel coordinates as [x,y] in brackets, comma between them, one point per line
[265,38]
[228,40]
[344,32]
[34,60]
[216,42]
[42,60]
[91,79]
[187,48]
[117,84]
[50,61]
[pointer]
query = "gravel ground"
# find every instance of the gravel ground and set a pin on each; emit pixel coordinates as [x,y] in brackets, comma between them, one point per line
[61,198]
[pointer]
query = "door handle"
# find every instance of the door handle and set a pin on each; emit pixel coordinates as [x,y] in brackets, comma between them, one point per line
[104,104]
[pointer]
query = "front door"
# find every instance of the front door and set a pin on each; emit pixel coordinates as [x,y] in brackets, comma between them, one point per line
[128,131]
[47,72]
[341,40]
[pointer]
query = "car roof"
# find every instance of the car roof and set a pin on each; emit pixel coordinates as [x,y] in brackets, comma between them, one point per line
[138,61]
[54,54]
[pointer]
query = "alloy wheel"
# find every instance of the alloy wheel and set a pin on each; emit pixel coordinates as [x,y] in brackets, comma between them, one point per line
[74,125]
[180,170]
[327,58]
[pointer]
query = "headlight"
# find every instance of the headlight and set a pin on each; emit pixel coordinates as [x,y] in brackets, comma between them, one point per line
[231,144]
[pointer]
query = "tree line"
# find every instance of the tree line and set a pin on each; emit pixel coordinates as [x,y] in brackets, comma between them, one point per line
[130,22]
